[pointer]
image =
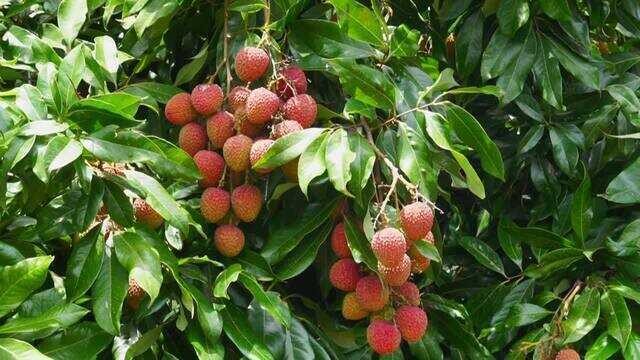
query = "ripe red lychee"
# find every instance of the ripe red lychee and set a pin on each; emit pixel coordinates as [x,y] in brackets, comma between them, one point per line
[419,262]
[371,293]
[412,322]
[220,127]
[389,246]
[236,152]
[344,274]
[567,354]
[179,110]
[285,128]
[383,337]
[261,105]
[146,215]
[214,204]
[228,240]
[238,97]
[291,80]
[192,138]
[135,294]
[258,149]
[339,242]
[211,166]
[251,63]
[301,108]
[398,274]
[206,98]
[351,309]
[244,126]
[408,293]
[416,220]
[246,201]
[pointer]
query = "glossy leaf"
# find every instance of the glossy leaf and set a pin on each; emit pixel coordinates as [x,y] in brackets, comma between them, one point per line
[18,281]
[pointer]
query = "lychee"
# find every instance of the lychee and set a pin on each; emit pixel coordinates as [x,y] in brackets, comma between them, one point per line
[238,97]
[371,293]
[389,246]
[251,63]
[192,138]
[261,105]
[339,242]
[416,220]
[244,126]
[301,108]
[412,322]
[285,128]
[146,215]
[398,274]
[408,293]
[567,354]
[211,166]
[246,201]
[290,170]
[179,110]
[291,81]
[344,274]
[228,240]
[258,149]
[220,127]
[206,98]
[135,294]
[383,337]
[236,152]
[419,262]
[214,204]
[351,309]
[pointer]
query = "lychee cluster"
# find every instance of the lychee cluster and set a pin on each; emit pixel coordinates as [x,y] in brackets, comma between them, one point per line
[227,136]
[388,297]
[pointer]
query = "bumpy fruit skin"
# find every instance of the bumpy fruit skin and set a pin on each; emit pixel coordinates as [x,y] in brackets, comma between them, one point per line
[135,294]
[291,81]
[351,309]
[192,138]
[398,274]
[244,126]
[258,149]
[344,274]
[236,152]
[261,105]
[301,108]
[567,354]
[412,322]
[211,166]
[146,215]
[383,337]
[419,262]
[371,294]
[214,204]
[251,63]
[179,110]
[285,128]
[389,246]
[290,170]
[408,293]
[206,98]
[416,220]
[246,201]
[339,242]
[238,97]
[228,240]
[220,127]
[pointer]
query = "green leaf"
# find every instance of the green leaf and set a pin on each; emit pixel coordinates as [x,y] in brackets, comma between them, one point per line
[581,213]
[85,340]
[556,9]
[359,22]
[247,6]
[84,263]
[300,258]
[500,53]
[624,96]
[94,113]
[583,315]
[617,315]
[587,72]
[483,253]
[141,261]
[108,293]
[359,244]
[11,349]
[404,42]
[565,151]
[547,72]
[44,324]
[118,204]
[515,73]
[43,128]
[512,14]
[509,243]
[312,163]
[365,84]
[338,159]
[362,166]
[224,279]
[469,44]
[444,82]
[18,281]
[625,187]
[153,11]
[159,92]
[602,348]
[525,314]
[204,348]
[71,16]
[71,151]
[269,301]
[632,351]
[553,262]
[288,148]
[191,69]
[414,160]
[428,250]
[29,100]
[239,331]
[106,55]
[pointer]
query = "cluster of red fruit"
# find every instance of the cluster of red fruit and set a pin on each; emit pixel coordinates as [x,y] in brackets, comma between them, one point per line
[389,289]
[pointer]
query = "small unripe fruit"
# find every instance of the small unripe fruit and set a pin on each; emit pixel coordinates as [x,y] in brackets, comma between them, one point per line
[408,293]
[419,262]
[339,242]
[416,220]
[214,204]
[220,127]
[567,354]
[206,98]
[258,149]
[228,240]
[389,246]
[238,97]
[301,108]
[285,128]
[291,80]
[146,215]
[211,166]
[192,138]
[412,322]
[344,274]
[398,274]
[246,201]
[290,170]
[251,63]
[244,126]
[135,294]
[236,152]
[351,309]
[261,105]
[179,110]
[371,293]
[383,337]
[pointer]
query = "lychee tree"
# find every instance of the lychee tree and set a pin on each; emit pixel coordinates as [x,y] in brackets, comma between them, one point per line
[334,180]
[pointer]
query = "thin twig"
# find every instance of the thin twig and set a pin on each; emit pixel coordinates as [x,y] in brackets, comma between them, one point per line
[225,44]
